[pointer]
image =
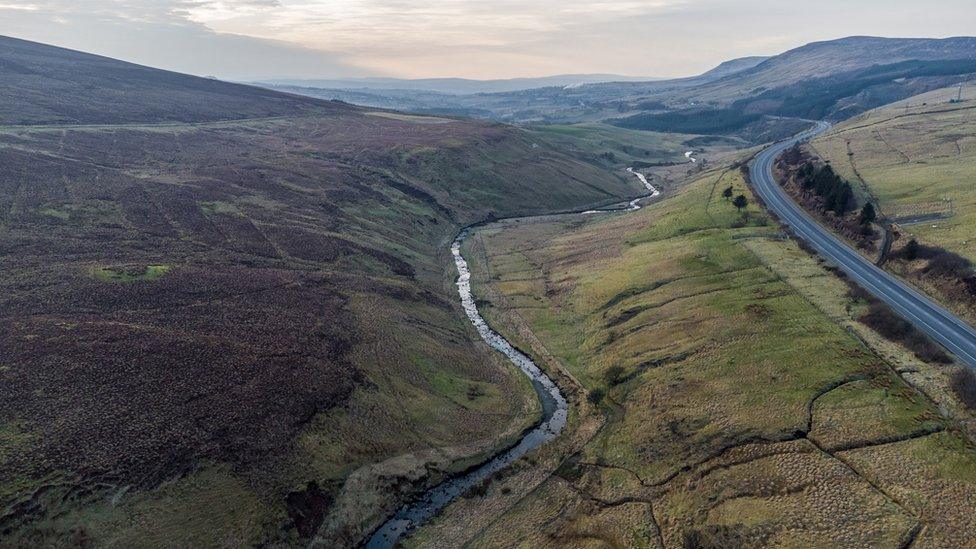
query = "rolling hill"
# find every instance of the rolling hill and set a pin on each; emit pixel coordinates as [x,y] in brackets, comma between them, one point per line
[833,57]
[455,86]
[912,157]
[833,79]
[558,98]
[228,313]
[42,84]
[825,80]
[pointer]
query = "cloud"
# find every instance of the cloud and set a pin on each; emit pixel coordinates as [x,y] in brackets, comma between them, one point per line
[472,38]
[398,25]
[20,7]
[159,33]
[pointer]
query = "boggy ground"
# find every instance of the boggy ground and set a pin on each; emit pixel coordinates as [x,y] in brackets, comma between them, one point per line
[739,401]
[236,332]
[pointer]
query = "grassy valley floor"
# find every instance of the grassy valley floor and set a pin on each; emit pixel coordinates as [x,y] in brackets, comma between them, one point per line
[731,396]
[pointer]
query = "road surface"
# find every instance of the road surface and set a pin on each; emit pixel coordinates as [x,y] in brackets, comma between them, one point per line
[941,325]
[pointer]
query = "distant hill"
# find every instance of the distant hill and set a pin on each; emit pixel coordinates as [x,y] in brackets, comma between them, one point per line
[825,80]
[823,59]
[733,66]
[50,85]
[455,86]
[517,100]
[831,79]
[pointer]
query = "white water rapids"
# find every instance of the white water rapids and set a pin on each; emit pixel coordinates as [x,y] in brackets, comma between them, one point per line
[635,203]
[555,409]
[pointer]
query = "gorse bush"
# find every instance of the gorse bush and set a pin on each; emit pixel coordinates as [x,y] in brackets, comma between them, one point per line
[614,375]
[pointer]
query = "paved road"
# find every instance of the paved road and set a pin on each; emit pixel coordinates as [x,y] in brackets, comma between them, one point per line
[921,311]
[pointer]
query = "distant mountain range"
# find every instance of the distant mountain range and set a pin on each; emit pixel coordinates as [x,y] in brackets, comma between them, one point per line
[479,98]
[832,79]
[455,86]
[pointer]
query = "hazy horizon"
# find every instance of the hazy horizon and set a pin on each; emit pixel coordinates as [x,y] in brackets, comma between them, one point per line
[319,39]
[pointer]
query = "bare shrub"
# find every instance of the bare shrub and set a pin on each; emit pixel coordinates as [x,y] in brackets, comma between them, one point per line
[804,245]
[942,263]
[857,293]
[963,384]
[714,537]
[949,265]
[478,490]
[886,322]
[614,375]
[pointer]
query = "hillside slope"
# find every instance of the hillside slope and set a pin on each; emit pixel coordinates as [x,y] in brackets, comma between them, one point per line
[912,157]
[834,79]
[734,398]
[916,161]
[237,332]
[823,81]
[42,84]
[822,59]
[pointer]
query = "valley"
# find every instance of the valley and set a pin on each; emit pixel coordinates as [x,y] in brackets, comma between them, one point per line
[256,311]
[709,413]
[567,311]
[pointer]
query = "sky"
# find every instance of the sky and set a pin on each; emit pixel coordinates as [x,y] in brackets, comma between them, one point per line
[267,39]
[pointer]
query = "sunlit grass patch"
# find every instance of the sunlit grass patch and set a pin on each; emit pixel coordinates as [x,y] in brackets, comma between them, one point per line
[82,212]
[700,328]
[219,207]
[875,409]
[130,274]
[63,215]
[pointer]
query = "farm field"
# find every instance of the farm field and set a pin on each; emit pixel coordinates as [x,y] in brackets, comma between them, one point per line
[738,401]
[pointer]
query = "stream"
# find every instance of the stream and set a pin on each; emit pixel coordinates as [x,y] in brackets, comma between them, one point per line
[555,409]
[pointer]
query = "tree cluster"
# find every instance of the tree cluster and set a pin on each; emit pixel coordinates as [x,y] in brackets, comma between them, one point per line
[832,188]
[739,202]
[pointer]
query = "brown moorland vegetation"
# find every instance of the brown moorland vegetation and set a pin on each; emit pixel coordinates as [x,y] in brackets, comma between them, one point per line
[220,331]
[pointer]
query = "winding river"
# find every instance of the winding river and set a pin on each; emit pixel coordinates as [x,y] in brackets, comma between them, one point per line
[555,409]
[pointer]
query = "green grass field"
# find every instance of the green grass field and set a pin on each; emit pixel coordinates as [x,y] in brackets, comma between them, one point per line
[621,147]
[738,405]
